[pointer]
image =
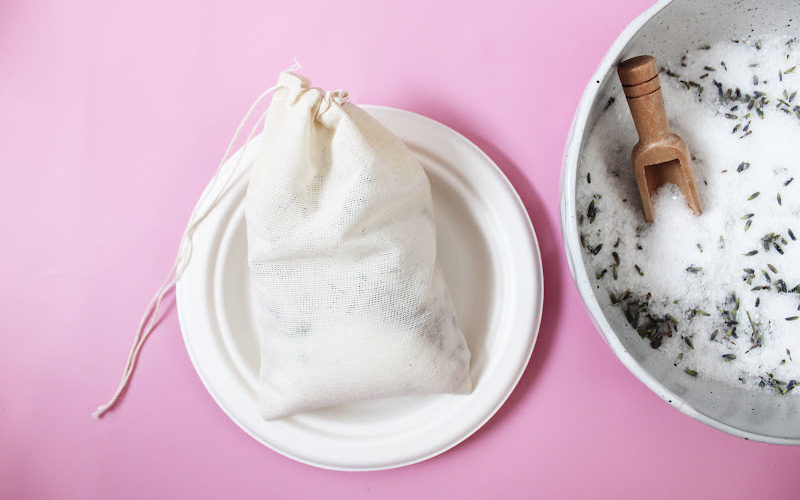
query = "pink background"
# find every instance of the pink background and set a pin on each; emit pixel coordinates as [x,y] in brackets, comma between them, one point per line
[112,119]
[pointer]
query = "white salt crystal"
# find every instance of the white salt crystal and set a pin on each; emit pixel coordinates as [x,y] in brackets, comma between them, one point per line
[694,267]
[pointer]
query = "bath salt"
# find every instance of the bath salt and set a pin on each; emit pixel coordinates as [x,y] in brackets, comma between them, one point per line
[718,294]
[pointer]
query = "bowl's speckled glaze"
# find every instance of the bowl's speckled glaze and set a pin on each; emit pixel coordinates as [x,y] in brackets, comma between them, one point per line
[666,31]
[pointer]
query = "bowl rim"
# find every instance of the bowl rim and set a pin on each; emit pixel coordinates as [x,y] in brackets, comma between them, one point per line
[569,233]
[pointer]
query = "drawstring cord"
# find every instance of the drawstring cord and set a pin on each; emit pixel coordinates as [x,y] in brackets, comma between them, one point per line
[151,315]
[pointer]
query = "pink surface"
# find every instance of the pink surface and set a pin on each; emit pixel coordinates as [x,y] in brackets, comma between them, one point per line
[113,120]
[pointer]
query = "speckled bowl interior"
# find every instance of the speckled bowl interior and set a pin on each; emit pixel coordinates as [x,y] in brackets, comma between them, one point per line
[666,31]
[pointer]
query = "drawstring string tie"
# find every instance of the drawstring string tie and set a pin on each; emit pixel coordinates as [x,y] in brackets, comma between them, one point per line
[151,314]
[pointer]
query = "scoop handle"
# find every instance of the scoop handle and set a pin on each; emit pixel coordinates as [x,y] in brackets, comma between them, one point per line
[639,78]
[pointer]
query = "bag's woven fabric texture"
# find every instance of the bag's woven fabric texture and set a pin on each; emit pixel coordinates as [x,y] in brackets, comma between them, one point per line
[342,252]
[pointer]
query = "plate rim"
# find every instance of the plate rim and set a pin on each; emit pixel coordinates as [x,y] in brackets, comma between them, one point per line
[534,322]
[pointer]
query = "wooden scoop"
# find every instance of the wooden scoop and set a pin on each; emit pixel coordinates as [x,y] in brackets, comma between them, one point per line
[660,157]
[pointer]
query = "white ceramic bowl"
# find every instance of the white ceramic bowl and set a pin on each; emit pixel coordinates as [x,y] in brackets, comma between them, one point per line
[666,30]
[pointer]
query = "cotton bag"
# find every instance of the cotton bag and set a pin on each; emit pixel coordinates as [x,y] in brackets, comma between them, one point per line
[342,254]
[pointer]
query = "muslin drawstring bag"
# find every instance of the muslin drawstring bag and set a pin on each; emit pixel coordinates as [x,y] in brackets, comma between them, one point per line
[342,256]
[342,251]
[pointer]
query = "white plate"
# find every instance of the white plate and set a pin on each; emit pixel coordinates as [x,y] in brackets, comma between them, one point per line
[490,258]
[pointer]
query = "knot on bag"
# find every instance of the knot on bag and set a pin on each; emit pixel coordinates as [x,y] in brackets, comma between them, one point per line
[337,96]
